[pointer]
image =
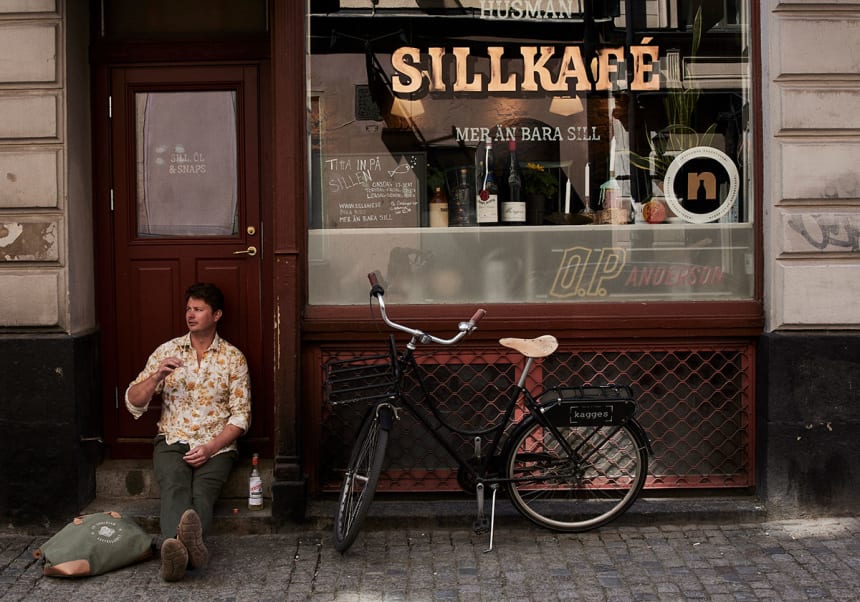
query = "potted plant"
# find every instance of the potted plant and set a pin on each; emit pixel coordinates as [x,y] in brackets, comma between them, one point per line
[540,185]
[678,135]
[540,181]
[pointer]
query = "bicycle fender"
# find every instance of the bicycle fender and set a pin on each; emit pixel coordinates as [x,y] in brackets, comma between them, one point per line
[640,433]
[386,415]
[635,428]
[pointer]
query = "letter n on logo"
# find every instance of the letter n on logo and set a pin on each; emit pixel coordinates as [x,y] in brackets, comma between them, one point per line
[697,183]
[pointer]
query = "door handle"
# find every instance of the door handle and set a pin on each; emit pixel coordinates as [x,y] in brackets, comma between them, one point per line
[252,250]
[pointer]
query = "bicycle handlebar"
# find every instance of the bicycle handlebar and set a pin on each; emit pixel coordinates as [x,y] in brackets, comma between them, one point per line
[463,328]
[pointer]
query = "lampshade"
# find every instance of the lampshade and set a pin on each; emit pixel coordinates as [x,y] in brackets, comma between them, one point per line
[402,107]
[565,105]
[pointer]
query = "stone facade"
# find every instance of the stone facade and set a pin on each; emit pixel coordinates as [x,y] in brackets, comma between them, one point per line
[812,183]
[48,347]
[810,361]
[809,366]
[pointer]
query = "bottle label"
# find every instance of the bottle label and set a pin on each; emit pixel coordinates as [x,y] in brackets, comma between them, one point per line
[514,212]
[438,215]
[488,210]
[255,497]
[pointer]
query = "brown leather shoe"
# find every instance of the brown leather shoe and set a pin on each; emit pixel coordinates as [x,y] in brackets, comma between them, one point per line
[190,533]
[174,559]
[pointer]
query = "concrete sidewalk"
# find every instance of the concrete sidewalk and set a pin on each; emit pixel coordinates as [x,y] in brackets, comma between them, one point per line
[810,559]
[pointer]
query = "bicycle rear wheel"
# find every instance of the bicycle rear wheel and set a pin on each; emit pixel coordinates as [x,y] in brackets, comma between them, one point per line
[362,474]
[577,492]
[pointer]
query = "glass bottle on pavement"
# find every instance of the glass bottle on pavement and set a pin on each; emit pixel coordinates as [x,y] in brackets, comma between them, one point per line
[255,485]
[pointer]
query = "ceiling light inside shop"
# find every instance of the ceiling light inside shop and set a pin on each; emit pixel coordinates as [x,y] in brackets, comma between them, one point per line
[565,105]
[402,107]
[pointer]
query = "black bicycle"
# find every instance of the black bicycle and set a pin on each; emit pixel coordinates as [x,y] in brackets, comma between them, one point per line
[576,460]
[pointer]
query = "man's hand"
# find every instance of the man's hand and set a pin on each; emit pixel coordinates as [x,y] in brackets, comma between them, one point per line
[140,394]
[167,366]
[197,456]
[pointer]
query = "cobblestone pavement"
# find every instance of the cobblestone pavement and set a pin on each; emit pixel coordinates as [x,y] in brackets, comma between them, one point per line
[810,559]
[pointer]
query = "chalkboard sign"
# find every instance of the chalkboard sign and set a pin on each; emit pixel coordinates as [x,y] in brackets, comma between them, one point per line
[373,190]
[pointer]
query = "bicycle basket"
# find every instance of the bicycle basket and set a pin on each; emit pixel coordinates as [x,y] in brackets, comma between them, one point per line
[362,378]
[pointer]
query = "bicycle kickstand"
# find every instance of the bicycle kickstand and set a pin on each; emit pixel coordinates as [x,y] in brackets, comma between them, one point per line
[481,524]
[495,488]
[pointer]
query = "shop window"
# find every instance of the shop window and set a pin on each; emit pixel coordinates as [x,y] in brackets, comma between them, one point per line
[632,136]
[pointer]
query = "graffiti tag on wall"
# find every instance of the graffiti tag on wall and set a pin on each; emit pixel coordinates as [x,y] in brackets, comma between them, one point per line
[831,232]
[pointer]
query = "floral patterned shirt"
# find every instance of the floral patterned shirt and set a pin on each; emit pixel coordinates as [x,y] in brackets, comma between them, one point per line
[199,401]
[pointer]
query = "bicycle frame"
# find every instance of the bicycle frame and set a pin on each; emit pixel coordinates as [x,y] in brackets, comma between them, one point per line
[406,360]
[564,467]
[496,433]
[518,390]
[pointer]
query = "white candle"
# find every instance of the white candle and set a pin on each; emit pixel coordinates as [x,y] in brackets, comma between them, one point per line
[612,156]
[567,196]
[587,168]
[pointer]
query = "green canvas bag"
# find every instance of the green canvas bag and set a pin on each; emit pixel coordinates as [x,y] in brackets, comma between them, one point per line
[94,544]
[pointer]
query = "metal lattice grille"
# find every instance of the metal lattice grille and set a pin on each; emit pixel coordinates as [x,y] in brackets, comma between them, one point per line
[694,402]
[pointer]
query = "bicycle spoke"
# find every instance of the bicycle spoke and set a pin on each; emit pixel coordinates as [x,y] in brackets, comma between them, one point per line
[580,491]
[568,478]
[360,478]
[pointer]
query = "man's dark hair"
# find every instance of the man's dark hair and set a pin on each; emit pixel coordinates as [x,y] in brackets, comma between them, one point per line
[207,292]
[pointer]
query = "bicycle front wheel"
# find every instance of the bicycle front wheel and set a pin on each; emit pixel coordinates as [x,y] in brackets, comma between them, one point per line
[575,491]
[362,474]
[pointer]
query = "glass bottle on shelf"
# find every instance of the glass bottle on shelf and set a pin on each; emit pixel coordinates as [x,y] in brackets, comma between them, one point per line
[487,201]
[514,207]
[462,211]
[491,204]
[439,209]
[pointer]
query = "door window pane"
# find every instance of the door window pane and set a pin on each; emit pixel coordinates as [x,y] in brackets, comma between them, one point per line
[187,179]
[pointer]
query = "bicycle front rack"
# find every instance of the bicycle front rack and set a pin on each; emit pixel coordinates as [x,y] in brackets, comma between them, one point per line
[363,378]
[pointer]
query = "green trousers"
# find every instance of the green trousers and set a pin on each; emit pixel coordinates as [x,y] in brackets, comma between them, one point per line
[183,487]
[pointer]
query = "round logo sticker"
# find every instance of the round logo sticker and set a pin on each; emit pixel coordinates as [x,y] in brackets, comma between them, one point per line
[701,184]
[106,531]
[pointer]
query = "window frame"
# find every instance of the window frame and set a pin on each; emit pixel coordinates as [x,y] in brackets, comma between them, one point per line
[582,319]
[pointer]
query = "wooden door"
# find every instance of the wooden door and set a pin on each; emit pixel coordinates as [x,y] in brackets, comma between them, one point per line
[184,148]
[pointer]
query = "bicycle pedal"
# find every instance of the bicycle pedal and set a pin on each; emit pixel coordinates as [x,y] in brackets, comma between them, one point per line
[481,526]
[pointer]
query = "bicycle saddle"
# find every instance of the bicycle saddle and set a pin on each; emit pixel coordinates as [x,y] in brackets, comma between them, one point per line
[539,347]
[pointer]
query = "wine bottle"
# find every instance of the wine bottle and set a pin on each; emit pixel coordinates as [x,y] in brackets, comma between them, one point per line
[487,201]
[514,207]
[439,210]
